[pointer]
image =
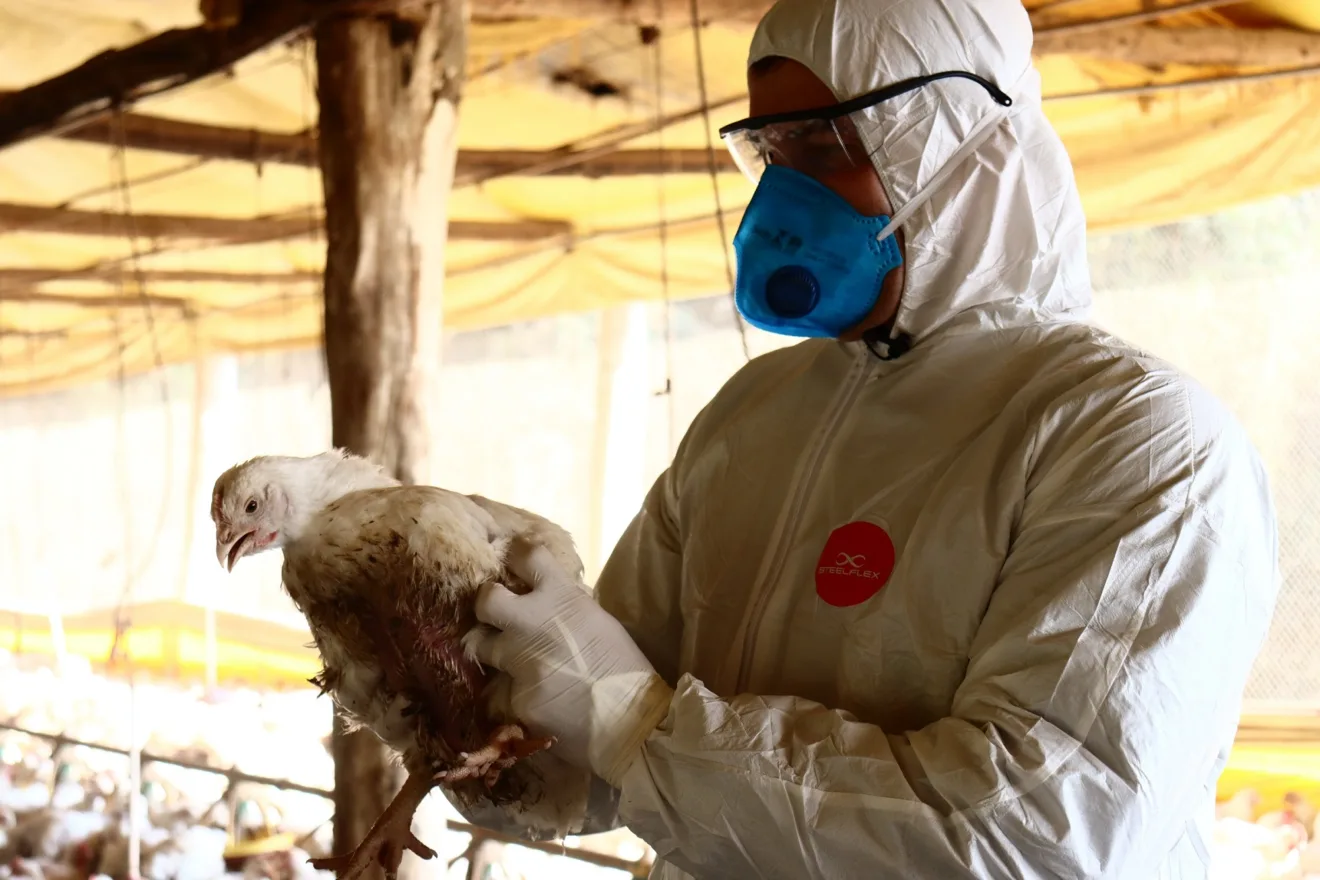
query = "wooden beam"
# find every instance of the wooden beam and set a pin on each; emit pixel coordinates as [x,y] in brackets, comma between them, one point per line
[118,77]
[388,90]
[612,162]
[239,230]
[95,302]
[140,131]
[1168,88]
[1145,16]
[1159,46]
[145,132]
[605,143]
[68,221]
[17,278]
[626,11]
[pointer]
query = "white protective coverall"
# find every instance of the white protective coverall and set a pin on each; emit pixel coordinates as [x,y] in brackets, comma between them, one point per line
[1084,549]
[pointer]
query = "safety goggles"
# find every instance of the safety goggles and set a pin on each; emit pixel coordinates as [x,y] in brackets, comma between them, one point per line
[823,141]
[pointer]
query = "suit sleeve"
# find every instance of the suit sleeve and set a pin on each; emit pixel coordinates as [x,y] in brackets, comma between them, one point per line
[1101,693]
[641,581]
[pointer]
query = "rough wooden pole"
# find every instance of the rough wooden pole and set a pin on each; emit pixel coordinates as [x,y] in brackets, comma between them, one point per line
[389,87]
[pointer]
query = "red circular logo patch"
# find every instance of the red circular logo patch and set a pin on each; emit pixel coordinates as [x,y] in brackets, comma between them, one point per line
[857,561]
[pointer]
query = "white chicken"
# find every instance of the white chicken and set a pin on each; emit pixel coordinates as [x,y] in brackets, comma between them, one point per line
[387,576]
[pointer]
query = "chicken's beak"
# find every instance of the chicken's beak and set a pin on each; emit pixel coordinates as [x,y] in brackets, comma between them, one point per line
[229,548]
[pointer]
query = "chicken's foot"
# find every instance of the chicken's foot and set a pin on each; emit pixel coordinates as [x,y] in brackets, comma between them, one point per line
[508,745]
[389,836]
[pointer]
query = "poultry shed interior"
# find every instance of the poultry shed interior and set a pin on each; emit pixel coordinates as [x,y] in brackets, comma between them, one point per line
[184,286]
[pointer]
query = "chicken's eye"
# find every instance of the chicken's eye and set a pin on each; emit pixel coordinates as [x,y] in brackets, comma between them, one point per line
[252,506]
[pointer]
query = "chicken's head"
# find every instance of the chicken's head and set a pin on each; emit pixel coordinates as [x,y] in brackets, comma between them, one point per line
[251,507]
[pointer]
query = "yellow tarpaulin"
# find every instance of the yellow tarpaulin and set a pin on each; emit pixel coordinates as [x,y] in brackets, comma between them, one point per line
[1142,158]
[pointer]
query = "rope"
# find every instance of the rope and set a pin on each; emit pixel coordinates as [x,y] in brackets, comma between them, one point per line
[714,176]
[122,623]
[668,390]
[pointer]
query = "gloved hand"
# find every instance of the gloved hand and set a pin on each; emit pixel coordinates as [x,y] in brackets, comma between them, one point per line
[576,674]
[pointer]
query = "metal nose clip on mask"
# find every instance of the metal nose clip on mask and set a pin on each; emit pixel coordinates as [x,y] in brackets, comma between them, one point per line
[808,263]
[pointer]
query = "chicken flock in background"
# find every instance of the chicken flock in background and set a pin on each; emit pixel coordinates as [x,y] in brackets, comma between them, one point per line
[1277,844]
[78,830]
[387,577]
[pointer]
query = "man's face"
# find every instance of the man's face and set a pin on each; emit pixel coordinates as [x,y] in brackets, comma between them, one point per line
[787,86]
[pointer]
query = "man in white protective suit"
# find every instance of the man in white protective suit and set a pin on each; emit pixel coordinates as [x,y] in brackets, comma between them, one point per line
[959,586]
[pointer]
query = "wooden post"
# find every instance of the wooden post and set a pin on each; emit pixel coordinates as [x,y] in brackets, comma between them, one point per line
[388,87]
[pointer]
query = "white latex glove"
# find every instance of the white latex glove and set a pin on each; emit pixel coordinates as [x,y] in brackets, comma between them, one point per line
[576,674]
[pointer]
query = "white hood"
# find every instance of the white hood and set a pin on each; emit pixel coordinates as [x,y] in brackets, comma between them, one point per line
[985,194]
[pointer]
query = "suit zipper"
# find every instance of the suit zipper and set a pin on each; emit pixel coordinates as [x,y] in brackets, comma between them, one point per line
[801,491]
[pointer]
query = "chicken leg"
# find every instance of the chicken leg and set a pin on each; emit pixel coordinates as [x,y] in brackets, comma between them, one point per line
[392,832]
[507,745]
[389,836]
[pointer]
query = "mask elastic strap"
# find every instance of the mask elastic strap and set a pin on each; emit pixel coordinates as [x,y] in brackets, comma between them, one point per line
[978,136]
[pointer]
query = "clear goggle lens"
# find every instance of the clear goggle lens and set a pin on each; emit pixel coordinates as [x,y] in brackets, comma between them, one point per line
[818,148]
[825,142]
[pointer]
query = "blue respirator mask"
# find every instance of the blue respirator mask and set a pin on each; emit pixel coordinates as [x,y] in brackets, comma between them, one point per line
[808,263]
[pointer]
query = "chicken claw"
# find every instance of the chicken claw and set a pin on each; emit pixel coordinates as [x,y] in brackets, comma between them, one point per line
[389,836]
[508,745]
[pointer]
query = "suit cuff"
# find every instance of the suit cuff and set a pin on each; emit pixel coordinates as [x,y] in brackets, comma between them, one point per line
[645,710]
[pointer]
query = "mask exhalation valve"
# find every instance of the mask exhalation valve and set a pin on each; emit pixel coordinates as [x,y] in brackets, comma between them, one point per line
[792,291]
